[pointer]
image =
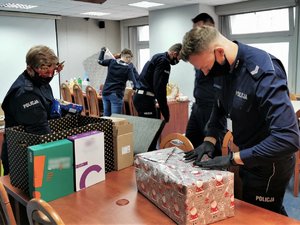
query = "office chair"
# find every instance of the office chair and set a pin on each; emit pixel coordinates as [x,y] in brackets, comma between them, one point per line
[6,214]
[40,212]
[178,140]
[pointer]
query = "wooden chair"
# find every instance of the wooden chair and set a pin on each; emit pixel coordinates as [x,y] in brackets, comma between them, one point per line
[296,174]
[40,212]
[6,213]
[92,101]
[78,98]
[132,109]
[293,97]
[297,166]
[229,144]
[178,140]
[65,92]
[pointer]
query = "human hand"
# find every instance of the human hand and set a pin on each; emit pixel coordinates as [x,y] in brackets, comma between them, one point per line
[205,148]
[219,162]
[60,66]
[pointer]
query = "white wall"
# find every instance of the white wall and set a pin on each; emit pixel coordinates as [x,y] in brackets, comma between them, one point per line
[79,44]
[168,27]
[17,35]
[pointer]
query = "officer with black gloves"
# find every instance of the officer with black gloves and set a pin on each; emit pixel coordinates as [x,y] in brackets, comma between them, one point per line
[153,82]
[29,100]
[253,96]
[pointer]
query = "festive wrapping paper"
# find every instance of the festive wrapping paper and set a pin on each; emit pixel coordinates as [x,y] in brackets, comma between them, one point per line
[187,194]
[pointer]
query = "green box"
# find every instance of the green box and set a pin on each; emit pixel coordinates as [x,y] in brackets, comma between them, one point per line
[51,170]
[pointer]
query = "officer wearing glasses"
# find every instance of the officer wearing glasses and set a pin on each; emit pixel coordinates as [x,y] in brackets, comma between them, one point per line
[29,99]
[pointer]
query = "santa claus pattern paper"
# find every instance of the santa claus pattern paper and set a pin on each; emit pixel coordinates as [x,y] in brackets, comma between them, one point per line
[187,194]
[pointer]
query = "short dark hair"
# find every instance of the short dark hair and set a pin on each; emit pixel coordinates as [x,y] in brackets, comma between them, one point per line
[203,17]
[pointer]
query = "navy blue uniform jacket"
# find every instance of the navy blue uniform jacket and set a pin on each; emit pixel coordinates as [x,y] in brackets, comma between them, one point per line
[155,77]
[28,105]
[118,73]
[255,97]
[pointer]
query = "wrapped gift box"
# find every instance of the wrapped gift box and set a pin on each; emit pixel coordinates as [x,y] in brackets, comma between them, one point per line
[187,194]
[50,169]
[89,158]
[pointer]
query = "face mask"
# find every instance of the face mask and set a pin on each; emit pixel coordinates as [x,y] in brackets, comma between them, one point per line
[174,61]
[218,70]
[39,81]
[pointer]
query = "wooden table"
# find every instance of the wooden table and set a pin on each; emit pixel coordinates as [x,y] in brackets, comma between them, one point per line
[97,205]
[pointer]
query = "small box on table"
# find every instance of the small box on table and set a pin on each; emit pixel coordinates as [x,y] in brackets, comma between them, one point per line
[50,169]
[187,194]
[123,142]
[88,158]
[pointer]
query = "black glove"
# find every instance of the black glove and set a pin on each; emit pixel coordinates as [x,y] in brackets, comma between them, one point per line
[103,49]
[205,148]
[219,162]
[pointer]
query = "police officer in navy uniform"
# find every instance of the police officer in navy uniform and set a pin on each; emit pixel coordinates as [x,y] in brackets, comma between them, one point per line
[28,101]
[254,97]
[152,84]
[118,73]
[204,94]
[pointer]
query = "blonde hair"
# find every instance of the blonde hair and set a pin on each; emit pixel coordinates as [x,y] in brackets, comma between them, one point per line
[40,55]
[197,40]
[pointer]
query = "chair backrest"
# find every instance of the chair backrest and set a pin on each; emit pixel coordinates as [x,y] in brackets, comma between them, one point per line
[132,109]
[78,97]
[227,140]
[296,175]
[40,212]
[178,140]
[92,101]
[293,97]
[6,215]
[65,92]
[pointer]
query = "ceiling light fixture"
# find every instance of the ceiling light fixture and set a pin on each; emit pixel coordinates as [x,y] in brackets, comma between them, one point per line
[17,6]
[145,4]
[95,13]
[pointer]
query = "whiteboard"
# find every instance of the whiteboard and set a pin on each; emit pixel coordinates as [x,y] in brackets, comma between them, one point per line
[17,36]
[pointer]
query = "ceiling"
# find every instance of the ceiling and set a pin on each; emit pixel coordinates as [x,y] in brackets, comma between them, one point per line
[118,9]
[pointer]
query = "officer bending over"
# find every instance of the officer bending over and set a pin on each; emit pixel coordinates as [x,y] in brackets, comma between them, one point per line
[254,97]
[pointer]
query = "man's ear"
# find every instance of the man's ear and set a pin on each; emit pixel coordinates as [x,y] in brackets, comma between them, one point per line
[220,54]
[30,71]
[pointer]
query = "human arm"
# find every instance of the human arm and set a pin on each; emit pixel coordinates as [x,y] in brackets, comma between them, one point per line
[101,59]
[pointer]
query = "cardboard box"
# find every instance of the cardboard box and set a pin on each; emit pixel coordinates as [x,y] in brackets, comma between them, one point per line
[187,194]
[50,169]
[89,158]
[123,142]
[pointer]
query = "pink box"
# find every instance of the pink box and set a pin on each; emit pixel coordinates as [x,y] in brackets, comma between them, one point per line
[89,158]
[187,194]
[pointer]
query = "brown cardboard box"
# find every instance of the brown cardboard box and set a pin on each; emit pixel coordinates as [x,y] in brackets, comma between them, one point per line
[123,142]
[187,194]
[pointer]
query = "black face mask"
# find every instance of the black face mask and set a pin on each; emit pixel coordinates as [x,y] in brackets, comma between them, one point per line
[39,81]
[174,61]
[218,70]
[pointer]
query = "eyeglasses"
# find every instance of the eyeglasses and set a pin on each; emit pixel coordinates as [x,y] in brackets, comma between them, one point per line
[52,70]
